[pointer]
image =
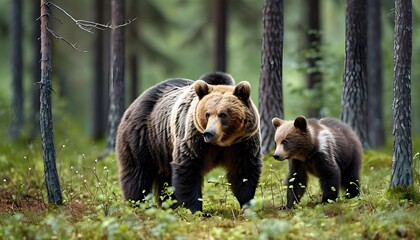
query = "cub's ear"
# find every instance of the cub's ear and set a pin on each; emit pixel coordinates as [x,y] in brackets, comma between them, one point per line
[301,123]
[201,88]
[242,90]
[276,122]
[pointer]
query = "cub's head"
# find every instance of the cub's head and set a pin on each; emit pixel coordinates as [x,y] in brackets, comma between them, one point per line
[292,138]
[225,114]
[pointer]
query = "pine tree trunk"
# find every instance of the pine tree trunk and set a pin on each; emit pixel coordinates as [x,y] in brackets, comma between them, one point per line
[36,70]
[134,77]
[402,171]
[16,65]
[116,88]
[314,76]
[376,131]
[220,18]
[99,90]
[354,98]
[47,133]
[271,90]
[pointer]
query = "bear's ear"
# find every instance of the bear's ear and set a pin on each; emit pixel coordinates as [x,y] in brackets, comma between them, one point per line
[201,88]
[276,122]
[242,90]
[301,123]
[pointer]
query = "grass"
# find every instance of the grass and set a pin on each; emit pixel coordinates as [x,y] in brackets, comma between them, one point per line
[93,208]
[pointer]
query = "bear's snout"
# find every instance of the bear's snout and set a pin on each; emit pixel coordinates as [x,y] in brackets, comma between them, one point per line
[279,156]
[208,135]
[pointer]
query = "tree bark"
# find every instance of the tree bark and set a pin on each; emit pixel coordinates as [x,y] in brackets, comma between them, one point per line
[354,98]
[376,131]
[314,76]
[220,20]
[134,65]
[16,65]
[99,88]
[36,70]
[47,133]
[402,171]
[116,88]
[271,90]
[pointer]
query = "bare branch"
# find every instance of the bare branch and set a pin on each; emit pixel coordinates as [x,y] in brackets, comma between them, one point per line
[73,45]
[89,25]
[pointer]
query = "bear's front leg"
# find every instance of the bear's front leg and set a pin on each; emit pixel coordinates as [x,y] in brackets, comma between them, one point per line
[187,181]
[244,174]
[296,182]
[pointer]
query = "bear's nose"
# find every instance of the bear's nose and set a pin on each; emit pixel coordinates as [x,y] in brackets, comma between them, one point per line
[208,136]
[276,156]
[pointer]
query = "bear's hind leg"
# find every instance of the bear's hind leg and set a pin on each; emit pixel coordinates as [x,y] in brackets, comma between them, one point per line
[137,181]
[350,180]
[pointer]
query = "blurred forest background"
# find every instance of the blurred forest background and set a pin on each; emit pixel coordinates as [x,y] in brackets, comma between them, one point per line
[176,39]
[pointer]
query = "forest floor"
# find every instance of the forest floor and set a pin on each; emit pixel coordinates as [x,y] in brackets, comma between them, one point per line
[93,208]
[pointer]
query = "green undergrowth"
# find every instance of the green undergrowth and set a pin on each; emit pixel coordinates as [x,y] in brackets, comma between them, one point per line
[93,207]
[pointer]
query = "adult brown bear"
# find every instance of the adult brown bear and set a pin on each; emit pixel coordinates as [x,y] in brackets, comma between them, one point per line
[179,130]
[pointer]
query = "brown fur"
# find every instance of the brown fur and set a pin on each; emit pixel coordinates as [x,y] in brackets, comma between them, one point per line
[326,148]
[179,130]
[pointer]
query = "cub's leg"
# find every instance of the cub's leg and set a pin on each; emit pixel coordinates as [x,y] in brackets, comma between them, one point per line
[296,182]
[350,180]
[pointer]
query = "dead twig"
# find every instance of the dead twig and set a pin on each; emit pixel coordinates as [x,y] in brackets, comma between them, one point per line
[82,24]
[73,45]
[89,25]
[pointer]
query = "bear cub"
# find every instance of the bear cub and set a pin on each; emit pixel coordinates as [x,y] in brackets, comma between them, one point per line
[326,148]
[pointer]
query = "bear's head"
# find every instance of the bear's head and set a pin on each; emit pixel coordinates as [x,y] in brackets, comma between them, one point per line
[292,139]
[225,114]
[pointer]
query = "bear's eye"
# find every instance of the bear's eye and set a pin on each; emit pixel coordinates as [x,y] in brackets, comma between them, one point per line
[207,116]
[222,115]
[284,142]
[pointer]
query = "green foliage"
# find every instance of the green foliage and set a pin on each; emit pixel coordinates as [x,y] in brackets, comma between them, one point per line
[93,207]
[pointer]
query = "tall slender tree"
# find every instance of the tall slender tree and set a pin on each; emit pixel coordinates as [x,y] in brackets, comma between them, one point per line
[376,131]
[314,76]
[220,26]
[116,87]
[135,52]
[47,133]
[402,170]
[16,65]
[354,98]
[100,84]
[271,89]
[36,70]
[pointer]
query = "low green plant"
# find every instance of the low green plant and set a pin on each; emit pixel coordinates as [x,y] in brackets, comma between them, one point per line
[94,209]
